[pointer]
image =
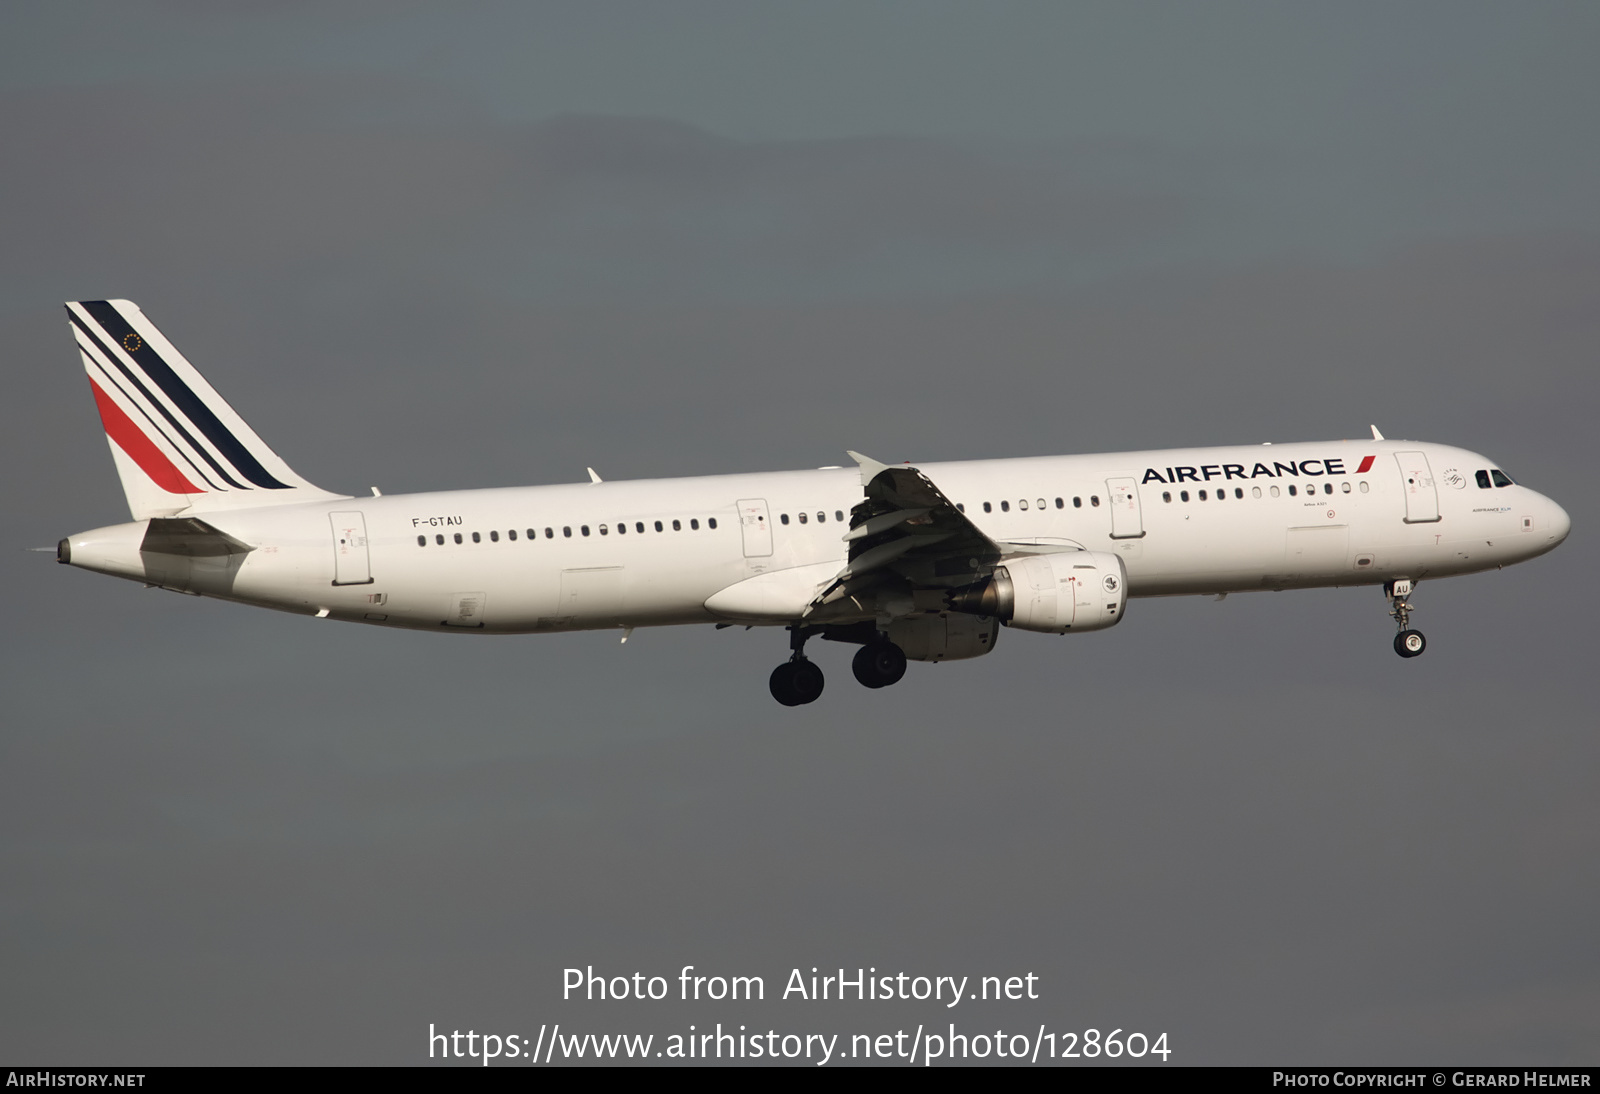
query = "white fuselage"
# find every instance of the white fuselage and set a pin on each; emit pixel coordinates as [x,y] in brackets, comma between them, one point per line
[550,558]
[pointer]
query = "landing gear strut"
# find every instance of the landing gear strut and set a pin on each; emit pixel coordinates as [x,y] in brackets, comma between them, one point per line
[1408,643]
[797,681]
[879,664]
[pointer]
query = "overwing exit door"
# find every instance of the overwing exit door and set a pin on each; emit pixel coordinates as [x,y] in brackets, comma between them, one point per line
[1422,496]
[350,563]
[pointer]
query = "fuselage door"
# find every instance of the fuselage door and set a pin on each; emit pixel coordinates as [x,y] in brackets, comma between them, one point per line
[1422,497]
[756,527]
[350,563]
[592,597]
[1126,520]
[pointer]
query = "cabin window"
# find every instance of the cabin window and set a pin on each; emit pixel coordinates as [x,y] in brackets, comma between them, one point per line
[1166,496]
[549,533]
[422,541]
[1364,487]
[439,540]
[1023,505]
[822,518]
[1238,491]
[1183,495]
[458,537]
[783,518]
[512,535]
[584,528]
[1291,490]
[1077,503]
[1255,491]
[1005,507]
[677,526]
[1094,500]
[566,530]
[476,538]
[604,531]
[658,526]
[1274,491]
[694,524]
[711,522]
[987,508]
[1500,477]
[804,518]
[1202,495]
[1483,479]
[622,527]
[961,507]
[1345,487]
[494,537]
[838,515]
[638,526]
[1060,504]
[1327,488]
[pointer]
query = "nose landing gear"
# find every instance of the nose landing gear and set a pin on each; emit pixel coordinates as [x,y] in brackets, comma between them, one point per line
[1408,643]
[797,681]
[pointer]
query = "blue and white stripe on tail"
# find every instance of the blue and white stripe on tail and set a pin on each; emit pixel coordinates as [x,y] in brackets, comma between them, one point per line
[178,446]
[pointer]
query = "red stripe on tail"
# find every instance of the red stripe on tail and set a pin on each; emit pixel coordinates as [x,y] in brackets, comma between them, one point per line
[140,448]
[1366,465]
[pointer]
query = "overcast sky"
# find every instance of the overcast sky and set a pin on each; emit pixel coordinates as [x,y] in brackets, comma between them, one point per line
[427,246]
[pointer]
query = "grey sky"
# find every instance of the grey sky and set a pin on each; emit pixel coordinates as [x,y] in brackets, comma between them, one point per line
[429,247]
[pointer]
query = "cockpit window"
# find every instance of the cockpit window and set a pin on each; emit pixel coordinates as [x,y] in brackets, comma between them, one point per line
[1500,477]
[1483,479]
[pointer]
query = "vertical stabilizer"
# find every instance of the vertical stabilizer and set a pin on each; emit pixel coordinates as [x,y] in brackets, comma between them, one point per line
[178,446]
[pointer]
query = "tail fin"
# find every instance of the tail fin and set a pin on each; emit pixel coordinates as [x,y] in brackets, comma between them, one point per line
[177,444]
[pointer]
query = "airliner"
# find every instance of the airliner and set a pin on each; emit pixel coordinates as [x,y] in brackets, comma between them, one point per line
[910,563]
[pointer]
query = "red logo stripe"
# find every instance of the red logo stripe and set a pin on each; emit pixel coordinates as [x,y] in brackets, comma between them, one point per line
[140,448]
[1366,465]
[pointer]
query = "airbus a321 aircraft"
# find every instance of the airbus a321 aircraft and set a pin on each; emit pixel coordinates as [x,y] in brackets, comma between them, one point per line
[922,563]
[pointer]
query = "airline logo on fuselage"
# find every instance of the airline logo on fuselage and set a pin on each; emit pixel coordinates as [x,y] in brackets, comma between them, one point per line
[1207,472]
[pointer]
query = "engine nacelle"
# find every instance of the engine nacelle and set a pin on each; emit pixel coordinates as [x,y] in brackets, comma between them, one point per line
[944,638]
[1056,593]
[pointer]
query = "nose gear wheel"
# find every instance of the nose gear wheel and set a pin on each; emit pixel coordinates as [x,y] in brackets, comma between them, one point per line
[1408,643]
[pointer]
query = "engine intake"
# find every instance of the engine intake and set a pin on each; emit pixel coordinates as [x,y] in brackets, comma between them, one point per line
[1056,593]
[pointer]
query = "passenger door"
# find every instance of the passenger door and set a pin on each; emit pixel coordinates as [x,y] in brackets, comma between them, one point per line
[1422,496]
[350,562]
[1127,522]
[756,527]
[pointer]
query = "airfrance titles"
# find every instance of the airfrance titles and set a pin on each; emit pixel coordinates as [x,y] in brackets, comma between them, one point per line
[1278,470]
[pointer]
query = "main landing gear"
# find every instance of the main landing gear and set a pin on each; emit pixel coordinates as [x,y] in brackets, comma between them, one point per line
[1408,643]
[879,664]
[798,681]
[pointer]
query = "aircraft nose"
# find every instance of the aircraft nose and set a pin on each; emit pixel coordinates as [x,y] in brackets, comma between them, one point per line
[1557,521]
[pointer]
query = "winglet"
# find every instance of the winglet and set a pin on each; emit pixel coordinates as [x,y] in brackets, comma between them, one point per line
[594,476]
[870,468]
[1376,435]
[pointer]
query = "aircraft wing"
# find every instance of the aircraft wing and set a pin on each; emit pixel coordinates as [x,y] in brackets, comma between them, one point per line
[906,532]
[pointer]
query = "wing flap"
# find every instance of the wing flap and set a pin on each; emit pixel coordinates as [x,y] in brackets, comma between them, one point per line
[906,534]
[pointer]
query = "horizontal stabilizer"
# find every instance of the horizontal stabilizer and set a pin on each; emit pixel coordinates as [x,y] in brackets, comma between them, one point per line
[189,537]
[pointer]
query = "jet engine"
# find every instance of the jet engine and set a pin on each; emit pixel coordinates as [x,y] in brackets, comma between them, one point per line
[1055,593]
